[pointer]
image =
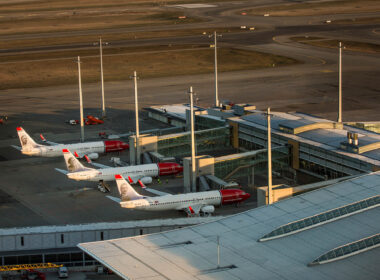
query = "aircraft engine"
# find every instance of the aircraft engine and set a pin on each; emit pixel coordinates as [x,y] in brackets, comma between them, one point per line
[93,156]
[146,180]
[208,209]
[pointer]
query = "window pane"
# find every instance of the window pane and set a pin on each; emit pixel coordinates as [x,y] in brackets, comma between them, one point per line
[315,220]
[36,259]
[376,239]
[368,242]
[336,213]
[343,211]
[287,229]
[331,255]
[357,206]
[51,258]
[339,252]
[329,215]
[308,222]
[322,217]
[350,208]
[363,204]
[371,201]
[354,247]
[346,250]
[361,245]
[301,224]
[294,226]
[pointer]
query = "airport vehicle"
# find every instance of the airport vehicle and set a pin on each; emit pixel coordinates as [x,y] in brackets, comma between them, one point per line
[90,120]
[91,149]
[63,272]
[192,203]
[32,274]
[93,120]
[136,174]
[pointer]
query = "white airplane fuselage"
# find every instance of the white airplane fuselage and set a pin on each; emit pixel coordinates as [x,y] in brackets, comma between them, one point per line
[108,174]
[176,202]
[56,150]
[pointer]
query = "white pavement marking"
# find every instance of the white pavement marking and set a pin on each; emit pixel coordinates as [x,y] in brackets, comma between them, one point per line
[195,6]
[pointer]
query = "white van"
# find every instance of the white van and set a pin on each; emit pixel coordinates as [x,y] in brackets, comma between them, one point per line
[63,272]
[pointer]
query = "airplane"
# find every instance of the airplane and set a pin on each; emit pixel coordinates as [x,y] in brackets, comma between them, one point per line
[193,204]
[91,149]
[141,174]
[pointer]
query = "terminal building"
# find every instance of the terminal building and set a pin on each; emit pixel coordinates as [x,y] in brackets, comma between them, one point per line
[329,233]
[231,145]
[318,147]
[57,244]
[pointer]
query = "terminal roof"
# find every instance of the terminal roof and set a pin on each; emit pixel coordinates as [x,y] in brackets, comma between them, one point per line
[191,253]
[318,132]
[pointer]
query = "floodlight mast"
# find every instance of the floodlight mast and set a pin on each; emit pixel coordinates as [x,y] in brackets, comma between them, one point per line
[80,101]
[102,77]
[340,83]
[216,67]
[137,118]
[101,73]
[269,159]
[193,164]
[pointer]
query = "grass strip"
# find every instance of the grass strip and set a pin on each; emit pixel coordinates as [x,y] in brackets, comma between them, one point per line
[120,64]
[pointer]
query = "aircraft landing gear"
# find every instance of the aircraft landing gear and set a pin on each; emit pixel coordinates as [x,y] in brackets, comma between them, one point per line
[103,187]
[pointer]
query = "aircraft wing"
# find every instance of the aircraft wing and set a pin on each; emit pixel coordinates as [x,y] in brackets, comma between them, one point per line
[99,165]
[193,209]
[16,147]
[48,142]
[62,171]
[116,199]
[159,193]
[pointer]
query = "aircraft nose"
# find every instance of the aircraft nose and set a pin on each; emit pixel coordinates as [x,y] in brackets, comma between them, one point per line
[179,168]
[245,196]
[125,146]
[115,145]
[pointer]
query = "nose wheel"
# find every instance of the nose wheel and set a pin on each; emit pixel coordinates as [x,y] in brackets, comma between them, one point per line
[103,187]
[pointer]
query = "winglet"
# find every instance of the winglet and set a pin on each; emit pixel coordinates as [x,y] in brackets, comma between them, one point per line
[76,154]
[19,128]
[65,151]
[118,176]
[42,137]
[130,180]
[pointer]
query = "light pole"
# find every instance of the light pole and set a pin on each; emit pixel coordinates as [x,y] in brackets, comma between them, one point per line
[216,67]
[101,73]
[193,170]
[80,102]
[137,119]
[340,83]
[269,158]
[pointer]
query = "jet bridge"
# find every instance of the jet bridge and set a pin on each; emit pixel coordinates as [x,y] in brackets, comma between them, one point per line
[234,167]
[179,144]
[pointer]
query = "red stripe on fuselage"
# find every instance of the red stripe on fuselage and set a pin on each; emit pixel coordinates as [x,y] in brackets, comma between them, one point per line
[230,196]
